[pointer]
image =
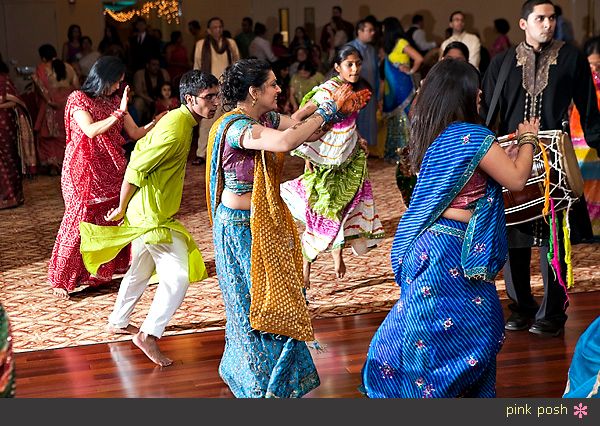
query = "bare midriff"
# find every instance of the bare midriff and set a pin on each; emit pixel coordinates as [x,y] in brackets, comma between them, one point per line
[235,201]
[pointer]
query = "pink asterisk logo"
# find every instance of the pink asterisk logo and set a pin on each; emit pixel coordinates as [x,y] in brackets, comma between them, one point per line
[580,410]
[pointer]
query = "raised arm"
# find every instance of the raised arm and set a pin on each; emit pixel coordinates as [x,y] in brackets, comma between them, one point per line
[263,138]
[499,166]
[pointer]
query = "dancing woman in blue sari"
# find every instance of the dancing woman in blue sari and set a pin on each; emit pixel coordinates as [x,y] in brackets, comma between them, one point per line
[442,337]
[258,256]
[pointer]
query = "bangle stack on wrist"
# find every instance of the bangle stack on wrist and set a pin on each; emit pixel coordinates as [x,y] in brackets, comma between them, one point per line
[327,110]
[118,113]
[529,138]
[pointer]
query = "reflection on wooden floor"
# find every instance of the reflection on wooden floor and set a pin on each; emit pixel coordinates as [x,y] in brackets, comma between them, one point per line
[528,365]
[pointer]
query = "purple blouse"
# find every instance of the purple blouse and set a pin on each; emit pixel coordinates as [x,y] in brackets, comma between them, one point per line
[238,162]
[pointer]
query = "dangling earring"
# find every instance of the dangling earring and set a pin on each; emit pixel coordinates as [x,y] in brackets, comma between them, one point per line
[254,101]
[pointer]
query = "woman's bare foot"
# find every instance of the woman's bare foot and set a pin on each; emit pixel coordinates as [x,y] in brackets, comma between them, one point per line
[338,261]
[147,343]
[130,329]
[306,272]
[60,293]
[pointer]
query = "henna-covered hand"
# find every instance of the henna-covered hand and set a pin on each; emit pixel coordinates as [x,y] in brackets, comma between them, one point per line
[356,102]
[342,95]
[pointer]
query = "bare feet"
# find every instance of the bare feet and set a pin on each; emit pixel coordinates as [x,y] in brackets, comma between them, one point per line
[147,343]
[338,261]
[60,293]
[130,329]
[306,272]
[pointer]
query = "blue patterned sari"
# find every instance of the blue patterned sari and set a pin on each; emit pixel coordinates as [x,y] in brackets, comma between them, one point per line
[255,364]
[442,337]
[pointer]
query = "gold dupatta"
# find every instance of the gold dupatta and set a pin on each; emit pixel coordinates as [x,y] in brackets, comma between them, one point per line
[277,302]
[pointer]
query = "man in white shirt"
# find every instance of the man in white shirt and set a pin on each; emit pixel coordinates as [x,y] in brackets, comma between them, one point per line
[213,54]
[457,24]
[260,48]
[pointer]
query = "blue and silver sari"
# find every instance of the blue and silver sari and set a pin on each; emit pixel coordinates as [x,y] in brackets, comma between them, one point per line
[442,337]
[255,364]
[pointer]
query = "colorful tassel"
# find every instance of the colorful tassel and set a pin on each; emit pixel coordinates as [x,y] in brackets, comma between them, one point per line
[554,249]
[567,244]
[545,211]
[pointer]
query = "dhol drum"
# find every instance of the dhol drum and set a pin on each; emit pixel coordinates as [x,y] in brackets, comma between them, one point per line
[566,182]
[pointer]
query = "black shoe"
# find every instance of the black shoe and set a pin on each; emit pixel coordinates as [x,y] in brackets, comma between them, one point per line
[517,321]
[546,328]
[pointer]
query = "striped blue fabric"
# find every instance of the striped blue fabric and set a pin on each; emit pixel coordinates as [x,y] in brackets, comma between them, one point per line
[442,337]
[447,166]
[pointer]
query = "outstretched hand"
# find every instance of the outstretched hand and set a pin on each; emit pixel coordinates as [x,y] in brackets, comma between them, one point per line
[125,98]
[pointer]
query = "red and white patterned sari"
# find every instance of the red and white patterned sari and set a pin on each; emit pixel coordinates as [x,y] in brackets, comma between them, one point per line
[91,179]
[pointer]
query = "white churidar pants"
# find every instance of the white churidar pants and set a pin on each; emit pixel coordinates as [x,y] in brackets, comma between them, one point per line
[171,263]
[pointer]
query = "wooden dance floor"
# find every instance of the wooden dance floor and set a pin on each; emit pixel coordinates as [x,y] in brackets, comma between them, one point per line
[528,365]
[62,349]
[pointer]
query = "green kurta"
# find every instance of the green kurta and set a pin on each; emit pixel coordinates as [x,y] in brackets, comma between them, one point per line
[157,168]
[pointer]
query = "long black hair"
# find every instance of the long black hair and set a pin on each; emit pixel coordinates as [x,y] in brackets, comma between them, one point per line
[448,94]
[48,53]
[105,72]
[239,77]
[392,31]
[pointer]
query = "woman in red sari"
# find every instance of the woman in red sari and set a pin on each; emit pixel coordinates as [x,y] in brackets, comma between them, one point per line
[11,179]
[55,80]
[93,170]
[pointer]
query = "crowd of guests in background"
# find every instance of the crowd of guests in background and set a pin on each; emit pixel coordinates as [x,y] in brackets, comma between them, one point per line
[154,67]
[87,105]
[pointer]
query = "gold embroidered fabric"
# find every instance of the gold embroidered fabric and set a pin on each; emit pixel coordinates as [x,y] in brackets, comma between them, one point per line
[277,302]
[535,78]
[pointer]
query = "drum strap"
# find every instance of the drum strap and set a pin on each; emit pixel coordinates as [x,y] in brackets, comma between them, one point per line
[502,75]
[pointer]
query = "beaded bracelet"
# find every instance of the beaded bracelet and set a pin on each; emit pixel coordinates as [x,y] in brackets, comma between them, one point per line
[327,110]
[118,113]
[529,139]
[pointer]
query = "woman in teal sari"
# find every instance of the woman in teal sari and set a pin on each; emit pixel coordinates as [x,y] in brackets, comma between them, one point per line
[442,336]
[258,257]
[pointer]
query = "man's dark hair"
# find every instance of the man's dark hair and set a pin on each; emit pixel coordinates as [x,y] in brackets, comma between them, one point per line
[338,8]
[260,29]
[360,25]
[502,25]
[528,6]
[417,18]
[193,82]
[214,18]
[248,20]
[194,24]
[456,12]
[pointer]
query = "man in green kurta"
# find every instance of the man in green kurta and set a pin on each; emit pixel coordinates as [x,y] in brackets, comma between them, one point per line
[150,197]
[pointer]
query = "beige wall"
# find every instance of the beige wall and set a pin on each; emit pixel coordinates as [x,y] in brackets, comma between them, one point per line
[88,14]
